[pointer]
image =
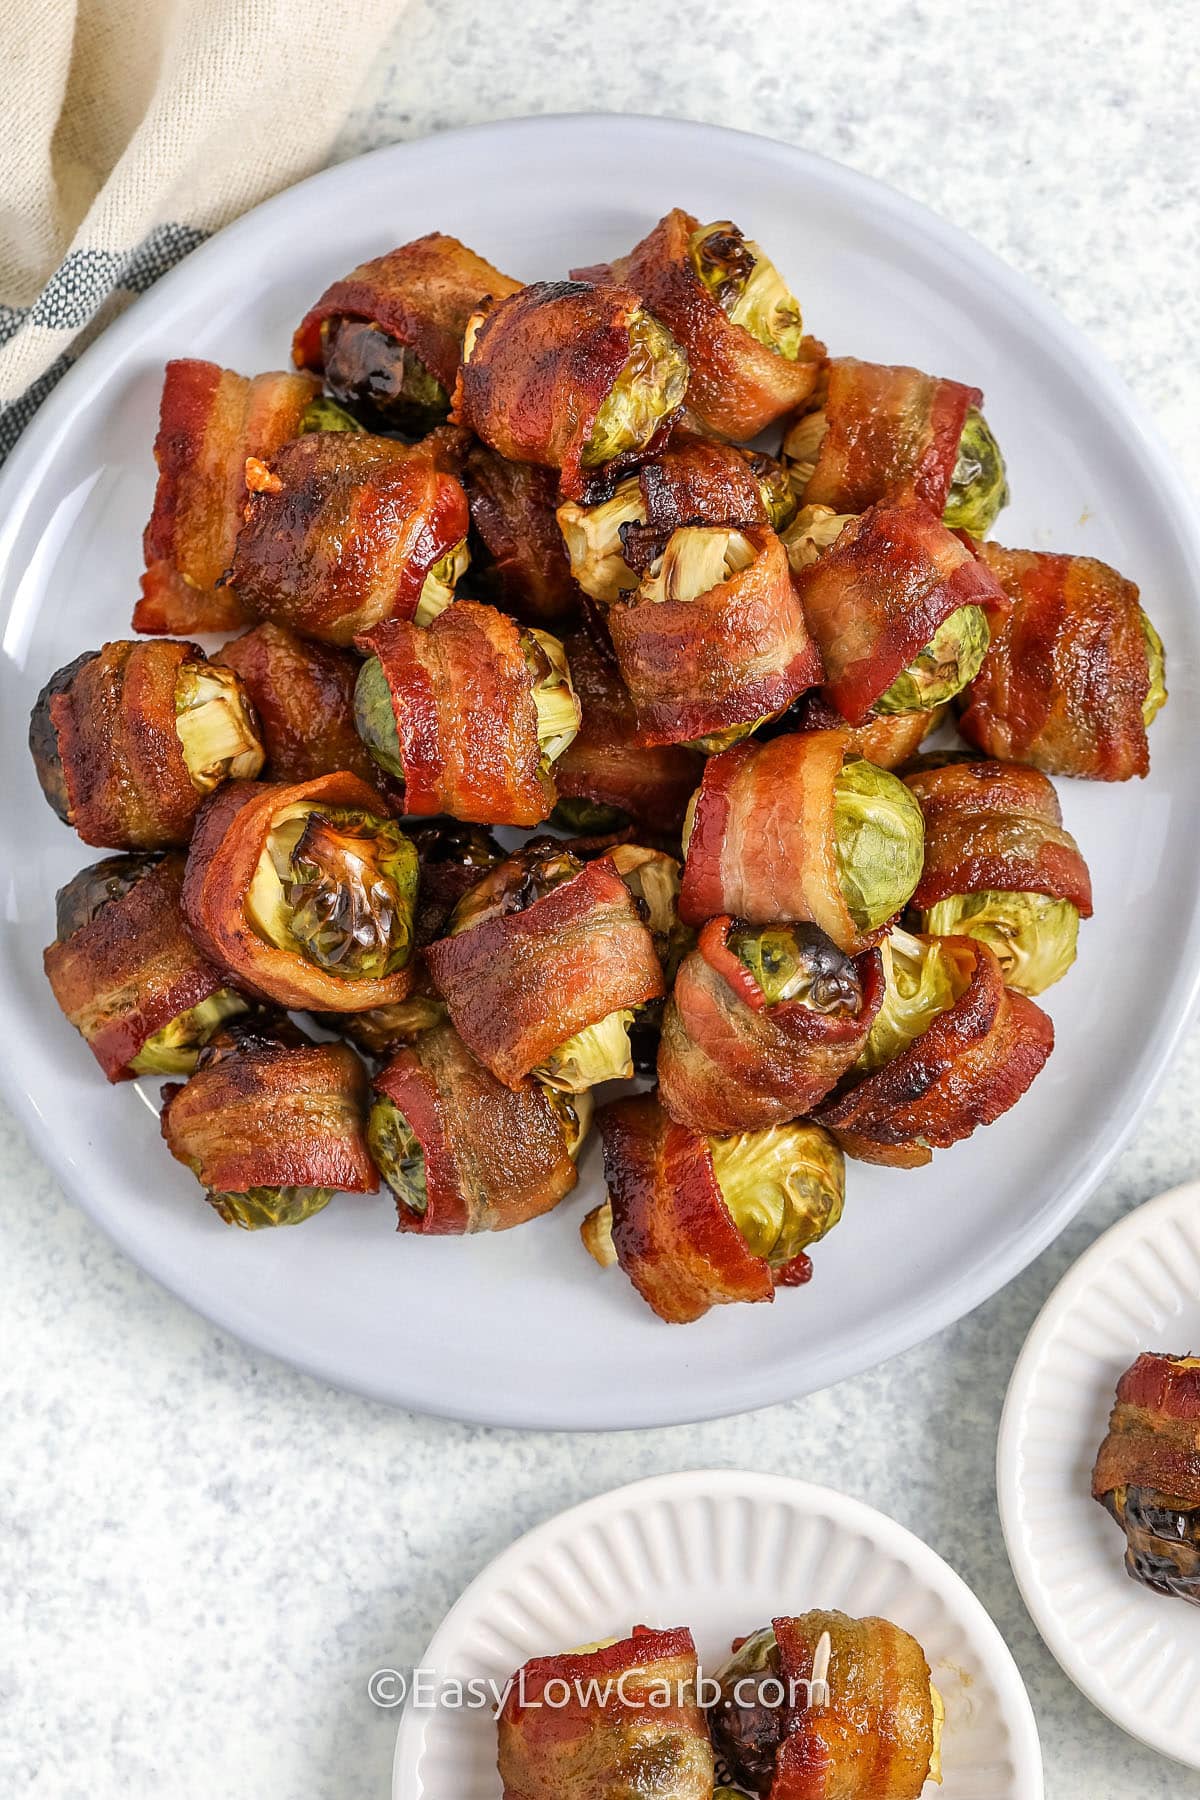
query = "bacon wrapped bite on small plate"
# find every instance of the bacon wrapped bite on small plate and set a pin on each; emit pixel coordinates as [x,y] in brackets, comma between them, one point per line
[1147,1473]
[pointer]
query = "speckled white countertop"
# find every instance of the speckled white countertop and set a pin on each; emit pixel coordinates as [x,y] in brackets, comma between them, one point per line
[203,1556]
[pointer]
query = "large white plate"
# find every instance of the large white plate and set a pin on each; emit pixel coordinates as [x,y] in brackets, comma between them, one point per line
[523,1328]
[723,1552]
[1135,1654]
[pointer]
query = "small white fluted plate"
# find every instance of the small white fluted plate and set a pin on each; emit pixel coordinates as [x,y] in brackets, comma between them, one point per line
[1135,1654]
[721,1551]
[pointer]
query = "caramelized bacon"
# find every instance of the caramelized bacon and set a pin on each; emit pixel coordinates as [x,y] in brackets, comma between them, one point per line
[968,1068]
[737,386]
[342,531]
[210,421]
[696,479]
[729,1061]
[630,1718]
[303,694]
[1154,1434]
[421,294]
[519,984]
[875,598]
[465,715]
[495,1156]
[734,654]
[512,510]
[1064,683]
[996,825]
[762,844]
[889,740]
[891,434]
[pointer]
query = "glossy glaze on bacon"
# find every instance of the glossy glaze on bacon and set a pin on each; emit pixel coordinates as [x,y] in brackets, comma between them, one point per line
[732,655]
[1064,683]
[263,1113]
[891,434]
[1153,1436]
[230,836]
[512,512]
[875,598]
[131,969]
[519,984]
[421,294]
[630,1725]
[466,720]
[606,763]
[762,845]
[728,1061]
[543,363]
[995,825]
[968,1068]
[210,421]
[698,480]
[342,531]
[495,1156]
[737,386]
[889,740]
[303,693]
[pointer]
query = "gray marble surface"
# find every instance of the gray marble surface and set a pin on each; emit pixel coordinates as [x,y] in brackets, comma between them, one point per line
[203,1555]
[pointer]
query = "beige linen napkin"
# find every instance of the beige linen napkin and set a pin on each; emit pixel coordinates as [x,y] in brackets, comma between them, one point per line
[130,130]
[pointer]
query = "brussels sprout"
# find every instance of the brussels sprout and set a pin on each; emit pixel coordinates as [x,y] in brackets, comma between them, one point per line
[596,1232]
[784,1187]
[323,414]
[530,874]
[216,726]
[879,842]
[802,447]
[922,978]
[1156,695]
[175,1048]
[1033,936]
[559,713]
[799,963]
[574,1113]
[775,485]
[689,822]
[261,1207]
[437,590]
[367,369]
[337,886]
[592,535]
[398,1155]
[587,818]
[1162,1540]
[380,1030]
[952,658]
[978,486]
[374,719]
[598,1053]
[748,287]
[648,390]
[697,559]
[653,878]
[87,894]
[43,736]
[811,532]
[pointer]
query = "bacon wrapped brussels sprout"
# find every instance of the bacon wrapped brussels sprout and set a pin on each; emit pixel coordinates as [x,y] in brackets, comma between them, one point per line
[524,564]
[1147,1473]
[303,696]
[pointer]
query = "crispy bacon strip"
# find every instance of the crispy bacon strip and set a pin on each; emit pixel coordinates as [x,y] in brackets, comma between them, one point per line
[728,1061]
[1154,1434]
[696,479]
[972,1064]
[996,825]
[110,723]
[630,1718]
[494,1155]
[520,984]
[889,740]
[878,594]
[512,510]
[303,694]
[342,531]
[735,654]
[672,1232]
[466,719]
[737,386]
[605,763]
[268,1114]
[891,434]
[1064,683]
[762,844]
[876,1734]
[131,970]
[421,294]
[230,836]
[542,365]
[210,421]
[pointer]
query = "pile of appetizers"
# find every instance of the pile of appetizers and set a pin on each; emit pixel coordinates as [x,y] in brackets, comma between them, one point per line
[496,555]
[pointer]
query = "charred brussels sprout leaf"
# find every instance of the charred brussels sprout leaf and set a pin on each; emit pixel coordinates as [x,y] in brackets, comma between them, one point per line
[1162,1540]
[43,737]
[1033,936]
[879,842]
[799,963]
[979,486]
[1156,658]
[648,390]
[437,590]
[653,878]
[558,710]
[529,875]
[748,287]
[374,374]
[398,1155]
[374,719]
[87,894]
[598,1053]
[587,817]
[175,1048]
[323,414]
[952,658]
[747,1730]
[923,977]
[784,1187]
[574,1113]
[778,494]
[262,1207]
[216,726]
[592,536]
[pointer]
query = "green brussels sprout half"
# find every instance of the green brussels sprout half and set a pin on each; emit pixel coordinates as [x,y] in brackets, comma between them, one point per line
[374,719]
[261,1207]
[1033,936]
[748,287]
[559,713]
[922,978]
[599,1053]
[324,414]
[216,726]
[952,658]
[587,818]
[398,1155]
[784,1187]
[797,962]
[1156,657]
[811,533]
[649,388]
[879,842]
[779,496]
[574,1113]
[978,486]
[370,371]
[437,590]
[653,878]
[337,886]
[175,1048]
[697,558]
[592,536]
